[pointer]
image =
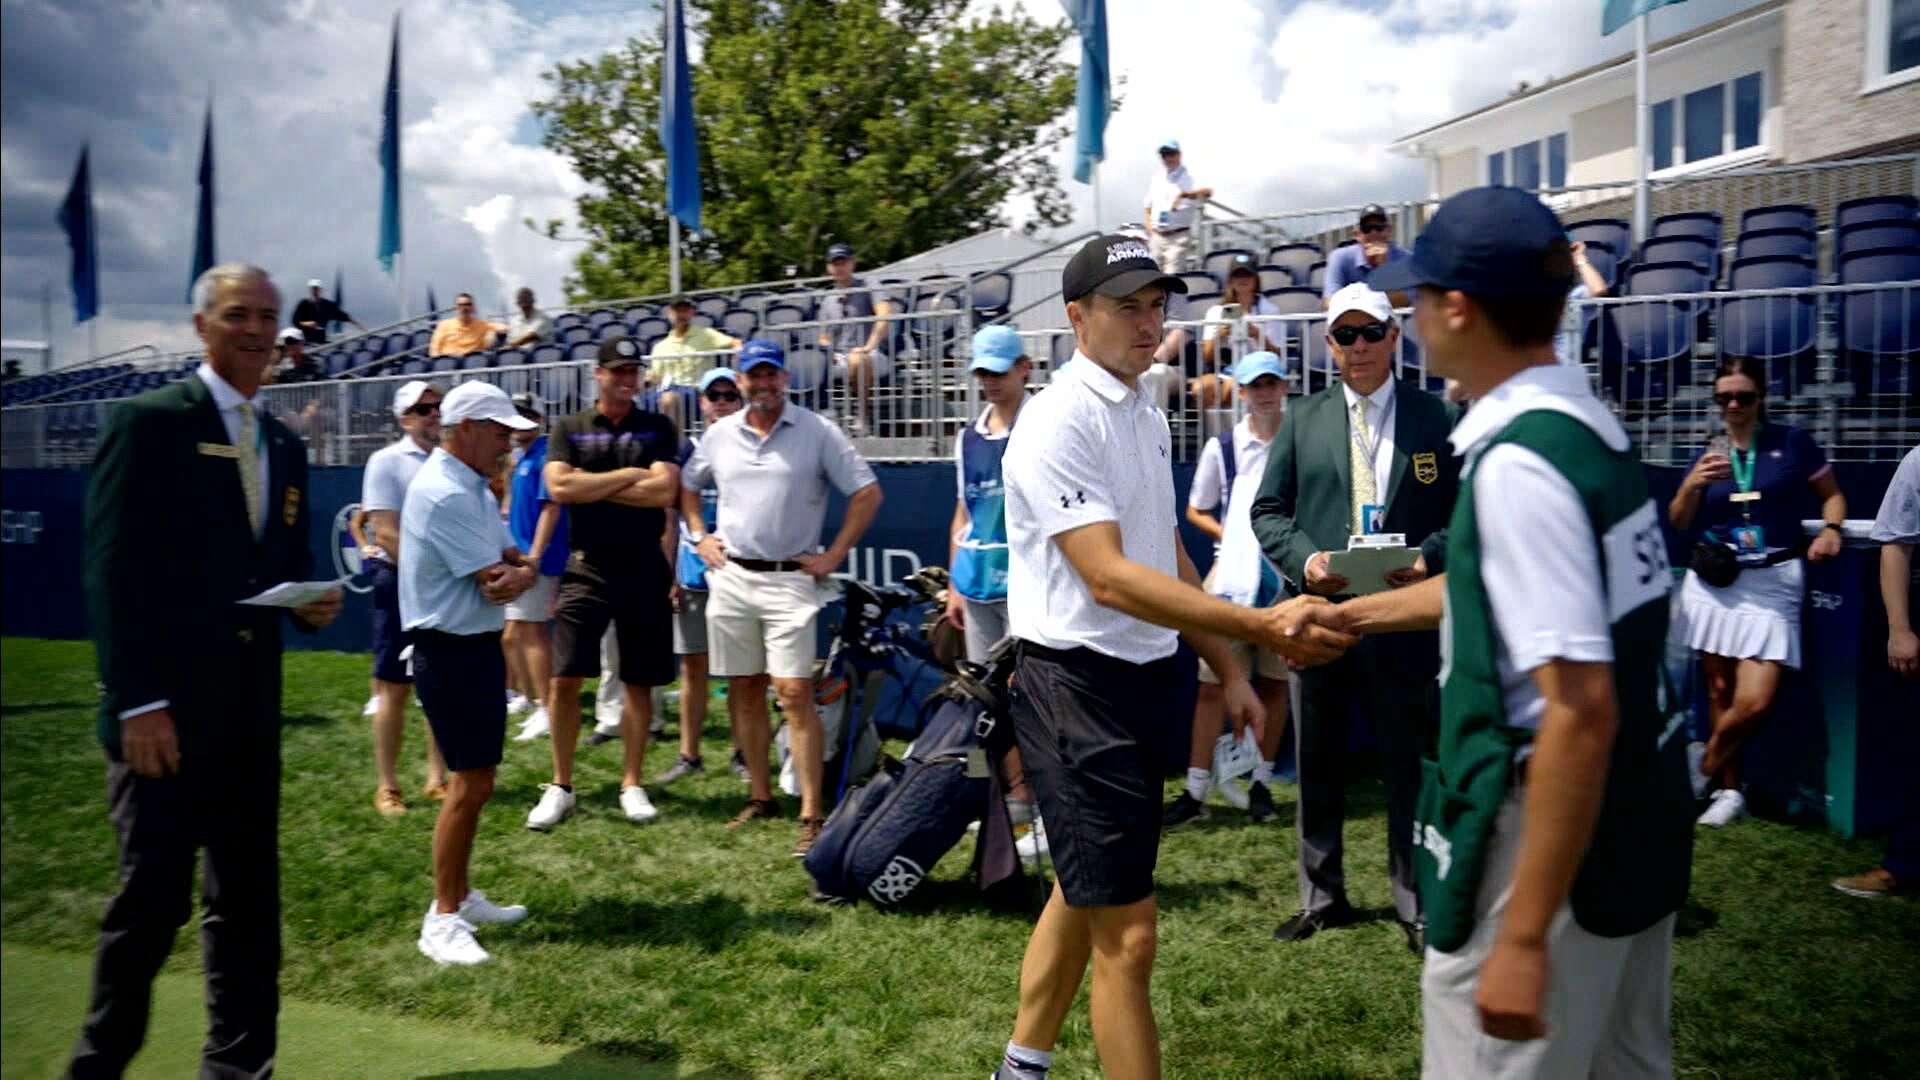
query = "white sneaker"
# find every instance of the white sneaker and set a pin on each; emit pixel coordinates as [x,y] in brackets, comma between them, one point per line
[477,910]
[1034,844]
[517,703]
[448,939]
[635,804]
[610,729]
[373,707]
[555,806]
[1697,753]
[536,726]
[1728,807]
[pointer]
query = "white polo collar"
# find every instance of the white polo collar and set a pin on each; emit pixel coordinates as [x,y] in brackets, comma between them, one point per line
[1556,387]
[1381,397]
[1098,379]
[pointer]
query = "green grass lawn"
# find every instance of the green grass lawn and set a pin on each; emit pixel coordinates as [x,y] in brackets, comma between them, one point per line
[680,949]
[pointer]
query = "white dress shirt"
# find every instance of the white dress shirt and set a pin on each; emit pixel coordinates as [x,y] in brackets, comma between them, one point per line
[1163,197]
[1380,423]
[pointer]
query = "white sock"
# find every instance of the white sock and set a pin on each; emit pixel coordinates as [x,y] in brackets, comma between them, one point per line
[1022,1063]
[1263,773]
[1197,781]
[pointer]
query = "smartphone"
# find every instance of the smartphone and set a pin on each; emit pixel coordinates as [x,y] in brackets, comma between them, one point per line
[1230,311]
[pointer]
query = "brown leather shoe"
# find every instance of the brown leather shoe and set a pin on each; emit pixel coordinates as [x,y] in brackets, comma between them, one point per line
[809,832]
[755,810]
[388,802]
[1871,885]
[434,792]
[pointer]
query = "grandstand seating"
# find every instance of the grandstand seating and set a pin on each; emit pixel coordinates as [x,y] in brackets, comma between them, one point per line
[1876,208]
[991,295]
[1880,329]
[1221,260]
[1784,216]
[1877,234]
[1683,248]
[1781,240]
[1699,223]
[713,307]
[1275,277]
[1297,259]
[1613,232]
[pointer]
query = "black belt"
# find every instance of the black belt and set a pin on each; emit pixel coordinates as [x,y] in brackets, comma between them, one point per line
[764,566]
[1084,658]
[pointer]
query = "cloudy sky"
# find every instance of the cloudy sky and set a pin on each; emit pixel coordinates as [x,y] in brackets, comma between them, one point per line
[1279,103]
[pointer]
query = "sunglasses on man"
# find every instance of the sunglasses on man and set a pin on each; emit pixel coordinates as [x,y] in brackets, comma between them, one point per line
[1374,227]
[722,396]
[1742,398]
[1347,335]
[425,408]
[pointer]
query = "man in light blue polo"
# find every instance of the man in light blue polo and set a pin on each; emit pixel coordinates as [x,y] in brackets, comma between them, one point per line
[461,569]
[1373,248]
[773,463]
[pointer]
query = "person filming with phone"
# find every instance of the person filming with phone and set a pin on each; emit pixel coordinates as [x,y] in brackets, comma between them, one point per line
[1743,497]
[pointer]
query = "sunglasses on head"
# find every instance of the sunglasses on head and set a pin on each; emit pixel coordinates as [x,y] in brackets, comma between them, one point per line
[723,395]
[1736,397]
[425,408]
[1347,335]
[1374,226]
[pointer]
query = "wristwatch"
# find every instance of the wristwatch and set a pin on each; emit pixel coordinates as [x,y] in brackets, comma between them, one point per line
[1841,529]
[696,537]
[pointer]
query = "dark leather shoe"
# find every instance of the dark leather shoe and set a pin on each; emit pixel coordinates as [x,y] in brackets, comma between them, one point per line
[1308,923]
[1183,809]
[1416,937]
[1259,804]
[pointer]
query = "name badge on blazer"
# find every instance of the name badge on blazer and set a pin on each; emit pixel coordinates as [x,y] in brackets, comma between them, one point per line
[290,505]
[1426,468]
[214,449]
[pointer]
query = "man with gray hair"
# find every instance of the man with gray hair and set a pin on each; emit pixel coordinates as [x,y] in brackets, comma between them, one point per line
[189,713]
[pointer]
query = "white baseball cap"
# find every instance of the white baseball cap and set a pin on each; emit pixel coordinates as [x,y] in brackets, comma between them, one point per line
[482,401]
[409,395]
[315,283]
[1359,297]
[291,333]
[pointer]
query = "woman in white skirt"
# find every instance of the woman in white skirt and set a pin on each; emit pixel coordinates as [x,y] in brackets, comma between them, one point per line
[1747,491]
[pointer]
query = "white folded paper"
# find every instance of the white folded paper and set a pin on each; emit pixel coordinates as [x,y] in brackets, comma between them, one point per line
[293,594]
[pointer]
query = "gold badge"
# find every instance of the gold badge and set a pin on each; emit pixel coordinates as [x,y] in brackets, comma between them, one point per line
[214,449]
[1425,468]
[290,505]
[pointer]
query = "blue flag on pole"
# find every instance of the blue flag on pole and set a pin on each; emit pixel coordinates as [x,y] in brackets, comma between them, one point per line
[676,121]
[1615,14]
[1089,17]
[76,217]
[203,224]
[339,300]
[432,304]
[390,157]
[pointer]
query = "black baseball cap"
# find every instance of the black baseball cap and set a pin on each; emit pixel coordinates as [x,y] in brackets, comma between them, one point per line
[839,251]
[680,301]
[619,352]
[1487,241]
[1114,265]
[1372,210]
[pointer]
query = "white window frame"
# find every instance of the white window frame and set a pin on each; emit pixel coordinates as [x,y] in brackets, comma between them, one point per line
[1728,156]
[1505,154]
[1879,26]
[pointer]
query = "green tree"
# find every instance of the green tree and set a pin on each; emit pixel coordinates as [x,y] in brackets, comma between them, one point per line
[894,125]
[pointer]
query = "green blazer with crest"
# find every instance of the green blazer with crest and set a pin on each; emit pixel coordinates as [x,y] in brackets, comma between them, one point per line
[169,550]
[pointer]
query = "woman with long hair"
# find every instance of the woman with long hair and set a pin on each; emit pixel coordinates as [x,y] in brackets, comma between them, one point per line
[1745,492]
[1212,386]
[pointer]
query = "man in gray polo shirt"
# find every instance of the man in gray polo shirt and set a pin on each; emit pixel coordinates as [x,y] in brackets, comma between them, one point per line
[773,463]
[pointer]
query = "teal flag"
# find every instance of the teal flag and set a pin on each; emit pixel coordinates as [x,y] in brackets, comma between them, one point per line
[390,155]
[203,224]
[1615,14]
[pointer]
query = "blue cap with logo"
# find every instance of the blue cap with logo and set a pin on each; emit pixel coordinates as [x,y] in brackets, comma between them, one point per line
[1258,365]
[1169,144]
[759,351]
[996,349]
[1487,241]
[719,374]
[839,251]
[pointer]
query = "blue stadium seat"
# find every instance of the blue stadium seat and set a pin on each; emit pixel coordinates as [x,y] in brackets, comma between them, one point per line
[1704,224]
[991,295]
[510,358]
[1199,302]
[400,342]
[420,338]
[807,369]
[701,318]
[1782,240]
[637,312]
[1316,276]
[1875,209]
[612,329]
[1275,277]
[1694,249]
[567,320]
[1221,260]
[713,307]
[1641,344]
[575,335]
[1879,234]
[583,350]
[1782,216]
[1776,329]
[447,363]
[599,317]
[1060,350]
[1317,368]
[375,342]
[340,363]
[1296,259]
[1296,301]
[1198,282]
[932,334]
[740,323]
[1771,272]
[1880,328]
[1662,278]
[1611,231]
[648,331]
[546,354]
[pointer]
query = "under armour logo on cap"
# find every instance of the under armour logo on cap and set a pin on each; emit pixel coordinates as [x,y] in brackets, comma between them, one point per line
[1114,265]
[1127,249]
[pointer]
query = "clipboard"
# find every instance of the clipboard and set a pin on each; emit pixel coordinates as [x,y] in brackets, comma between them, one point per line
[292,594]
[1369,559]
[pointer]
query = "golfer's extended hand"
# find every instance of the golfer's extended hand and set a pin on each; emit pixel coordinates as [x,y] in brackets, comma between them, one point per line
[1306,630]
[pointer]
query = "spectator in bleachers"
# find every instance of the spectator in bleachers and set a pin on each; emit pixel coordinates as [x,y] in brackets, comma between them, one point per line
[1372,249]
[1173,206]
[13,370]
[293,365]
[1742,496]
[316,311]
[1220,504]
[679,358]
[859,343]
[464,333]
[1587,284]
[1212,386]
[529,326]
[719,399]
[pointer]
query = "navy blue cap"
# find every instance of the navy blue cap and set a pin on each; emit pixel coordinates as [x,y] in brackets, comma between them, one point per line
[839,251]
[1487,241]
[757,351]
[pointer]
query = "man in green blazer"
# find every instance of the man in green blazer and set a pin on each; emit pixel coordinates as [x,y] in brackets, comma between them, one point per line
[1367,455]
[198,499]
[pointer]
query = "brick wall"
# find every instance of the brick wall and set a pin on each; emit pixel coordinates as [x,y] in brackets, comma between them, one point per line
[1824,68]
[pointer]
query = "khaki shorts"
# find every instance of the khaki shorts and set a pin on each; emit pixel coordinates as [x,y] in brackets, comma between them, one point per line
[1170,250]
[536,604]
[1253,660]
[761,623]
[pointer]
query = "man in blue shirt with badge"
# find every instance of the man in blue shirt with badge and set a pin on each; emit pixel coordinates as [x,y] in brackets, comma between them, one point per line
[461,567]
[538,526]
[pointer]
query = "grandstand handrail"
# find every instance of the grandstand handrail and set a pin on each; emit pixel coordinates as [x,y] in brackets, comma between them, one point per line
[112,357]
[1734,174]
[1014,314]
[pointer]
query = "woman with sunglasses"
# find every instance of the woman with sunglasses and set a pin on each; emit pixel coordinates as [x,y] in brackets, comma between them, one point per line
[1747,491]
[1212,385]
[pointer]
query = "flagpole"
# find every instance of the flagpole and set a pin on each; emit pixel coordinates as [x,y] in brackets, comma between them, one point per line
[1641,122]
[1099,225]
[673,254]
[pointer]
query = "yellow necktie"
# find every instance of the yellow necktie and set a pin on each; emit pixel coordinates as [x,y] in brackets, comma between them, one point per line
[1360,460]
[249,459]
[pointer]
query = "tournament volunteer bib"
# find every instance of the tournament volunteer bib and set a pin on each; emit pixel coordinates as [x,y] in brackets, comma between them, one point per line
[979,570]
[1636,868]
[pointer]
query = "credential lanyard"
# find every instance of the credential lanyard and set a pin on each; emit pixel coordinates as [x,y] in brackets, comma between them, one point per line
[1743,469]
